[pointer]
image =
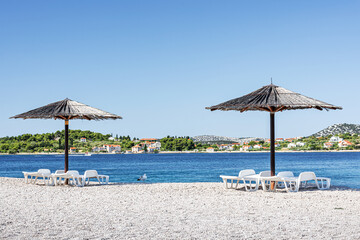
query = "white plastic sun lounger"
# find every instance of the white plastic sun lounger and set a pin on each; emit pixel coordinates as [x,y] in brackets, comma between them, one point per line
[102,179]
[59,177]
[323,183]
[242,174]
[55,178]
[252,182]
[41,173]
[293,184]
[75,178]
[285,174]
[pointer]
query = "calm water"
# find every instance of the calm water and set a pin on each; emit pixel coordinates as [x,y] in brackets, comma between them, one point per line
[342,168]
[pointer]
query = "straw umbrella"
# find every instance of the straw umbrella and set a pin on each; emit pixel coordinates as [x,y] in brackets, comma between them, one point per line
[272,99]
[67,110]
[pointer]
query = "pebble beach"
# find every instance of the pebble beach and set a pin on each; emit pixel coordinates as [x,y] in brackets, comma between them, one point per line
[174,211]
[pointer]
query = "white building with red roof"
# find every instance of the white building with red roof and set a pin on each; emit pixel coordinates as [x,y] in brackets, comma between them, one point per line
[112,148]
[210,149]
[328,144]
[246,148]
[136,149]
[344,143]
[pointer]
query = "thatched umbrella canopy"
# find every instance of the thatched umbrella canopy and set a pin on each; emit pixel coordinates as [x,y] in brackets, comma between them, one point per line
[272,99]
[67,110]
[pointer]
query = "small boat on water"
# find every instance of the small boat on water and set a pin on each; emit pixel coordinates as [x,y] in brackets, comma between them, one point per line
[87,154]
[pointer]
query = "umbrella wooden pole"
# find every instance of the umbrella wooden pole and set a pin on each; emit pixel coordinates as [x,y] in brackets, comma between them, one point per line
[272,147]
[66,145]
[272,143]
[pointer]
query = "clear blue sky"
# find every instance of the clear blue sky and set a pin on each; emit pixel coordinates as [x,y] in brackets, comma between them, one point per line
[160,63]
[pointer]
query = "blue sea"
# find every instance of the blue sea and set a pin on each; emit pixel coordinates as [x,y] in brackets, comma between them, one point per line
[342,167]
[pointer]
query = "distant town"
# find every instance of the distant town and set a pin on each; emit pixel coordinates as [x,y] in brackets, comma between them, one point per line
[144,145]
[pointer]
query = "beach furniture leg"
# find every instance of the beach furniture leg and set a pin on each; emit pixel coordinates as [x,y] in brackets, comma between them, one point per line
[56,181]
[297,186]
[327,185]
[225,183]
[35,179]
[70,180]
[267,185]
[328,182]
[251,185]
[79,182]
[51,181]
[31,179]
[323,183]
[102,179]
[82,182]
[285,184]
[317,184]
[291,186]
[26,177]
[81,179]
[237,183]
[320,184]
[263,183]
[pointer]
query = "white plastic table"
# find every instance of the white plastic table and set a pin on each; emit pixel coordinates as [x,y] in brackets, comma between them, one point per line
[267,186]
[60,176]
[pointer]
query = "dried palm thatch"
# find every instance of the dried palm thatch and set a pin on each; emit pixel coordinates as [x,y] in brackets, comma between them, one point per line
[272,98]
[67,110]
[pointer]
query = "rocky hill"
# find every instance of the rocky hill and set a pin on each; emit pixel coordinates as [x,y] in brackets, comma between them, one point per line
[339,129]
[211,139]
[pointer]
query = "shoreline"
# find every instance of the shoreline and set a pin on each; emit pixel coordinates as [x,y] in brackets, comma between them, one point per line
[187,152]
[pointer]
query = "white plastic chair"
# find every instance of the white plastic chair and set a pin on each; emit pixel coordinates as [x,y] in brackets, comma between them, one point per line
[102,179]
[41,173]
